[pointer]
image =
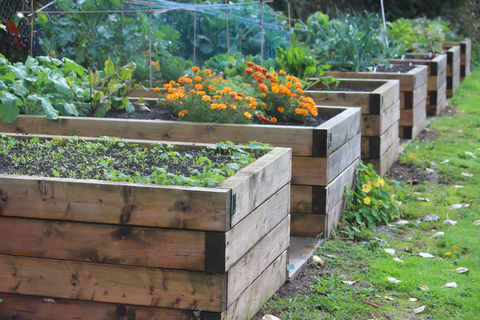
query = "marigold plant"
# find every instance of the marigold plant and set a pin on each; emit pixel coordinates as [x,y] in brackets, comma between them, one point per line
[258,95]
[373,200]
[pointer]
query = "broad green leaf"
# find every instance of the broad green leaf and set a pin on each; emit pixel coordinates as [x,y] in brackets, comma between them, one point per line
[31,62]
[47,106]
[127,70]
[72,66]
[109,68]
[9,110]
[61,85]
[19,73]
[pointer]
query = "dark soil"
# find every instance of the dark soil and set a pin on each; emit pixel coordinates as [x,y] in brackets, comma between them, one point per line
[160,114]
[396,68]
[348,88]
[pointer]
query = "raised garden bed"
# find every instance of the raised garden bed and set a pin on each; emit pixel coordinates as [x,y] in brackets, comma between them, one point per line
[465,56]
[320,154]
[380,113]
[437,79]
[453,68]
[111,249]
[413,94]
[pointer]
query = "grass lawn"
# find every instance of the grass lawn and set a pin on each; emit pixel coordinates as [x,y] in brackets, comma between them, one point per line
[451,148]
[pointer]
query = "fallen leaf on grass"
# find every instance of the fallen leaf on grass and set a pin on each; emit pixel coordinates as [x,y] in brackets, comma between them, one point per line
[419,309]
[451,285]
[270,317]
[459,206]
[445,161]
[465,174]
[438,234]
[429,170]
[425,255]
[371,304]
[470,154]
[348,282]
[393,280]
[457,186]
[461,270]
[423,199]
[413,299]
[390,251]
[417,193]
[477,223]
[401,222]
[423,288]
[430,217]
[317,259]
[398,260]
[459,130]
[390,299]
[450,222]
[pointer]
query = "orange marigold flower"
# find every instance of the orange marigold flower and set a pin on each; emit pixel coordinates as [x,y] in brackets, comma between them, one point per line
[208,71]
[264,106]
[250,64]
[156,89]
[263,95]
[213,74]
[211,87]
[274,73]
[248,70]
[237,98]
[275,89]
[294,79]
[247,115]
[182,113]
[233,107]
[181,79]
[298,111]
[188,80]
[166,86]
[280,109]
[197,78]
[289,85]
[262,87]
[198,87]
[257,68]
[213,106]
[222,106]
[216,80]
[264,70]
[273,120]
[282,72]
[300,91]
[195,69]
[298,85]
[206,98]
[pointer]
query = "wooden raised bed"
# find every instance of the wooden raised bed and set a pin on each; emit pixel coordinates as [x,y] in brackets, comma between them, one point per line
[465,56]
[147,249]
[380,113]
[437,79]
[453,68]
[413,94]
[320,154]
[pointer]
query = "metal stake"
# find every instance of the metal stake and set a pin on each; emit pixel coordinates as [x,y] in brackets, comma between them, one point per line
[150,40]
[31,29]
[228,35]
[194,34]
[261,39]
[289,25]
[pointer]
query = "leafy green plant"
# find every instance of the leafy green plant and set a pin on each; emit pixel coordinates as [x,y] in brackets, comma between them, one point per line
[372,200]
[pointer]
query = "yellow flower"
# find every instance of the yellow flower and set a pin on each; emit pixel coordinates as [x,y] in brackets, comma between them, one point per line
[405,41]
[448,253]
[376,183]
[392,196]
[382,182]
[366,200]
[366,188]
[399,203]
[182,113]
[455,248]
[247,115]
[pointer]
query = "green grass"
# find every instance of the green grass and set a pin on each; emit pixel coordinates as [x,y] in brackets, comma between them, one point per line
[448,138]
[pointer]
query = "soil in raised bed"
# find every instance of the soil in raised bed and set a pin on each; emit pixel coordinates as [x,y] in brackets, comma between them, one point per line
[396,68]
[157,113]
[347,88]
[85,160]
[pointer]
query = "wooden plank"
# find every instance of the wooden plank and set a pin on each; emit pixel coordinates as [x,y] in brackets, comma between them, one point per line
[384,94]
[413,98]
[382,165]
[375,125]
[410,117]
[412,132]
[435,82]
[296,137]
[333,217]
[110,283]
[253,263]
[258,181]
[331,135]
[22,307]
[375,147]
[109,244]
[255,226]
[408,81]
[436,101]
[301,198]
[334,191]
[321,171]
[252,299]
[307,225]
[96,201]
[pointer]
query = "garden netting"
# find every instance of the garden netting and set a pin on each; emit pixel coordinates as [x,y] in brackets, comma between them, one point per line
[179,34]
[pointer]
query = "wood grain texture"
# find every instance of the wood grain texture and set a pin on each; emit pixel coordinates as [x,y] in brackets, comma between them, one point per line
[333,217]
[385,93]
[301,198]
[258,181]
[255,226]
[343,157]
[382,165]
[408,81]
[115,284]
[255,261]
[22,307]
[109,244]
[334,191]
[307,225]
[115,203]
[375,125]
[375,147]
[437,101]
[261,290]
[411,99]
[411,117]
